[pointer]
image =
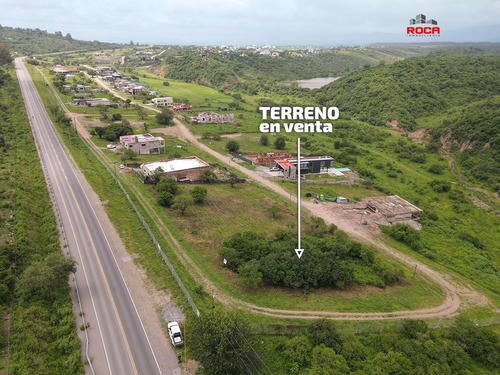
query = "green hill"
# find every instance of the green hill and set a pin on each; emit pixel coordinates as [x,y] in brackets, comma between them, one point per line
[31,42]
[413,88]
[474,131]
[220,66]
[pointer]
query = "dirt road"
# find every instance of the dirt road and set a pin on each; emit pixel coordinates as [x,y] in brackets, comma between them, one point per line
[458,294]
[455,293]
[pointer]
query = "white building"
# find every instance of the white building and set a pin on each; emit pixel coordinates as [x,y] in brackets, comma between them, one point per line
[166,101]
[143,143]
[184,169]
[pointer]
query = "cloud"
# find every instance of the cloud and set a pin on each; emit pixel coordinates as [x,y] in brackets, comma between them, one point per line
[282,22]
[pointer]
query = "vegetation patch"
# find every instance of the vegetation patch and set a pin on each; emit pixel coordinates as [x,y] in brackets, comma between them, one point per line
[331,260]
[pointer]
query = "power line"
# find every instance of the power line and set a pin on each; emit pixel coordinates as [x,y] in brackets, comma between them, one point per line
[243,362]
[257,355]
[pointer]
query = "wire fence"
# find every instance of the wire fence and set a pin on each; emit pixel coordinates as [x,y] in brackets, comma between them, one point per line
[146,227]
[279,329]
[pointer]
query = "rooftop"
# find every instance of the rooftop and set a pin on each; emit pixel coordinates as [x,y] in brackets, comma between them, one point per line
[391,205]
[140,138]
[177,164]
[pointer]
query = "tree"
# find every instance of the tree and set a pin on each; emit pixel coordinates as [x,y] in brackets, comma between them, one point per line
[128,155]
[165,116]
[116,117]
[181,203]
[219,342]
[280,143]
[103,111]
[127,103]
[199,193]
[99,130]
[47,275]
[5,57]
[167,184]
[264,140]
[233,180]
[165,199]
[298,350]
[325,362]
[141,113]
[232,146]
[156,175]
[323,332]
[250,275]
[208,176]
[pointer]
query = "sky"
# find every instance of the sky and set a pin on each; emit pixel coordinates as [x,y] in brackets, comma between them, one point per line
[259,22]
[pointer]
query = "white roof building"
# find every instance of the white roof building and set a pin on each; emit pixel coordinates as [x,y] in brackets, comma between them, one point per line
[184,169]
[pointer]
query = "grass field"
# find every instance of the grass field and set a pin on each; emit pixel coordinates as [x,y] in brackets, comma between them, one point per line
[202,232]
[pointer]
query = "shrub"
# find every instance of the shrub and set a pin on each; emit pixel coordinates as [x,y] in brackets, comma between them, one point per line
[250,275]
[199,193]
[167,185]
[208,176]
[232,146]
[165,199]
[440,186]
[280,143]
[436,168]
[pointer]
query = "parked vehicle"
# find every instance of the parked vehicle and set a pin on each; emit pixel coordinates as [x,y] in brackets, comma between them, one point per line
[110,146]
[175,334]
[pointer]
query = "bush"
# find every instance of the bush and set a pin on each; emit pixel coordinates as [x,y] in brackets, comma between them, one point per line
[406,234]
[280,143]
[250,275]
[436,168]
[199,193]
[232,146]
[116,117]
[167,185]
[440,186]
[165,116]
[165,199]
[264,140]
[208,176]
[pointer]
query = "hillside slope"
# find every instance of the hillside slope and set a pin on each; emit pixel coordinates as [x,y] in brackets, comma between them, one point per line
[413,88]
[31,42]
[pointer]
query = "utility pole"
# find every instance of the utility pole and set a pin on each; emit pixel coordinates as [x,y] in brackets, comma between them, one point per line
[185,348]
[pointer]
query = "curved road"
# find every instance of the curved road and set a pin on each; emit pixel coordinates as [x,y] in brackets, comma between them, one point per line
[456,292]
[120,344]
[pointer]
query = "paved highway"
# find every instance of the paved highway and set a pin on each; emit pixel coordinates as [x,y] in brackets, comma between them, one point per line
[119,341]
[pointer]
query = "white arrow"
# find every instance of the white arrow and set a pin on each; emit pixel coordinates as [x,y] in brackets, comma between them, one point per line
[299,250]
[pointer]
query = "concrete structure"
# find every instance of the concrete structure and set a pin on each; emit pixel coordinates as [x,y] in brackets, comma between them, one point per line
[184,169]
[91,102]
[182,108]
[166,101]
[63,69]
[393,208]
[268,158]
[104,70]
[314,164]
[143,143]
[213,118]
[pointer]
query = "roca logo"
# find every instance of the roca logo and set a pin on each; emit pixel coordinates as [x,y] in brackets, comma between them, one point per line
[422,29]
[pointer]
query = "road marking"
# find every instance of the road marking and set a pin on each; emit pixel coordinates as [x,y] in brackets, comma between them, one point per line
[116,263]
[104,277]
[49,163]
[94,249]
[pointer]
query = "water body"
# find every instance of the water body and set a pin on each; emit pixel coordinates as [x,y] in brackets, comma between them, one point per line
[316,83]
